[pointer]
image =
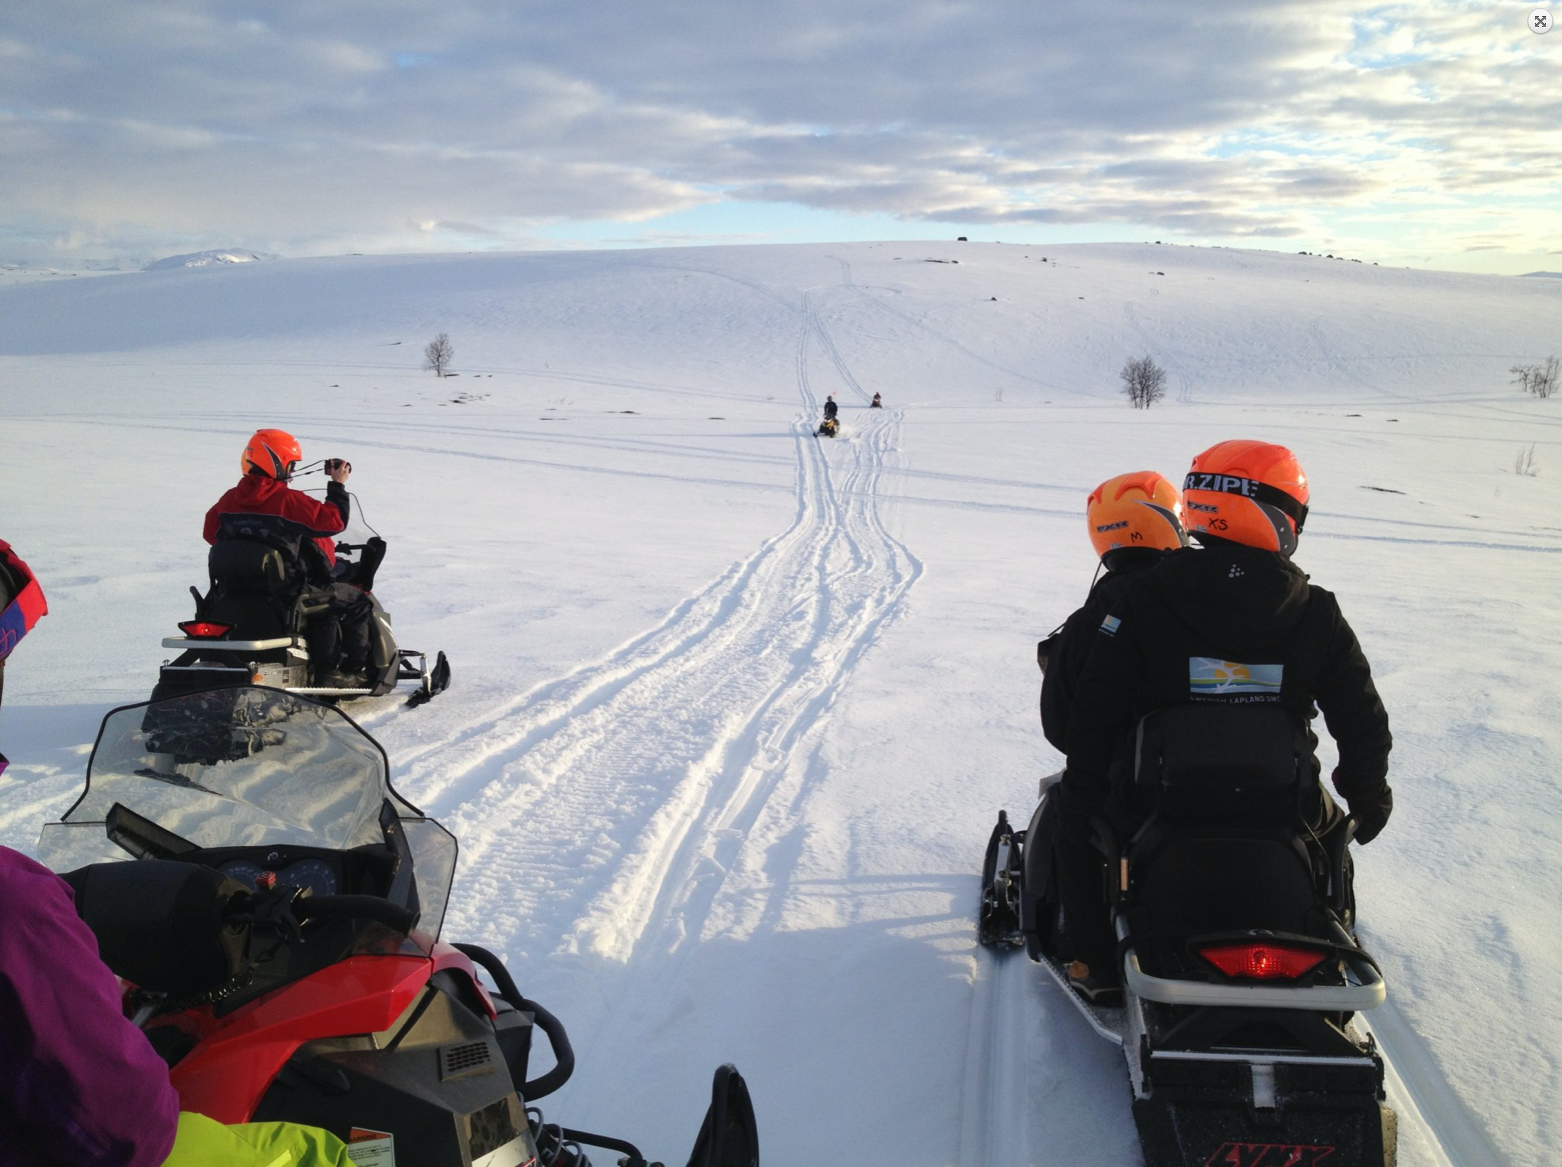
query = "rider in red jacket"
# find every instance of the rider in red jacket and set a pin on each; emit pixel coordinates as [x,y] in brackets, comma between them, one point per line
[263,507]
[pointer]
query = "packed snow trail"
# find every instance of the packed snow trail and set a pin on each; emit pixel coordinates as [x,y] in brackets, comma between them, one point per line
[617,785]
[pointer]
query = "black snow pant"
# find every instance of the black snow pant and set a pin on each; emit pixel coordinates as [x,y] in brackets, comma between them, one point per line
[340,634]
[1087,922]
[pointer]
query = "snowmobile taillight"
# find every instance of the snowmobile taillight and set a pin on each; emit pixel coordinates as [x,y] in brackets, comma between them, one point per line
[204,629]
[1263,962]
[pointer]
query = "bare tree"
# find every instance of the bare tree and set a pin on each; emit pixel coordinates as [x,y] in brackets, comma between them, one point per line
[1144,382]
[1541,380]
[438,354]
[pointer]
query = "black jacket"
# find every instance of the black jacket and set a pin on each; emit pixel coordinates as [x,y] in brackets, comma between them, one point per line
[1066,660]
[1227,623]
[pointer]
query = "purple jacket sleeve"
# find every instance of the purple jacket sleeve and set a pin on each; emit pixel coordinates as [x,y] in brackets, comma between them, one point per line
[79,1084]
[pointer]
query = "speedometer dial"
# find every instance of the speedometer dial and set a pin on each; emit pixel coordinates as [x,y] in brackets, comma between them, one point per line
[242,870]
[313,875]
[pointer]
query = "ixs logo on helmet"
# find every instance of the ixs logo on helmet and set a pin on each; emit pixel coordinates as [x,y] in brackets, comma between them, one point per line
[1221,484]
[1117,526]
[1268,1155]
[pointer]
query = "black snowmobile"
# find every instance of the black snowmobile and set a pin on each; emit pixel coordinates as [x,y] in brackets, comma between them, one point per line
[277,923]
[1241,972]
[252,627]
[828,428]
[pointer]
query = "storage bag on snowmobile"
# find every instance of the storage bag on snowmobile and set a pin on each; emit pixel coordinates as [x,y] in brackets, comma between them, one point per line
[253,587]
[1226,793]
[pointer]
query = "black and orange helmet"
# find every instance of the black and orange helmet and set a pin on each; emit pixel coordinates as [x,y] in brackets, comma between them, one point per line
[1249,492]
[1141,509]
[273,453]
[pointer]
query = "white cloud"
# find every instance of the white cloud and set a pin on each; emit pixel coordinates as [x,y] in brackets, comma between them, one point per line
[296,125]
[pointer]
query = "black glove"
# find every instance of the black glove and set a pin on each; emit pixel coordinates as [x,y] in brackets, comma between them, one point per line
[1371,815]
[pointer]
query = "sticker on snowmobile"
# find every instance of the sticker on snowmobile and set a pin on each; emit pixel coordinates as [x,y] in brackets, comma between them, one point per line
[1267,1155]
[1211,677]
[366,1148]
[515,1153]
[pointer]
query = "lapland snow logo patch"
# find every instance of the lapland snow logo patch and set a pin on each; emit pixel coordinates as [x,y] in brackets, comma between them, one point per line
[1211,677]
[1267,1155]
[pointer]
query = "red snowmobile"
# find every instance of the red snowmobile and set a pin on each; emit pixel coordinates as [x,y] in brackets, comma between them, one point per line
[278,933]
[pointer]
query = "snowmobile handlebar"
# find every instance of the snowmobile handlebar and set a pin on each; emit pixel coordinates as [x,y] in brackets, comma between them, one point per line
[349,907]
[563,1052]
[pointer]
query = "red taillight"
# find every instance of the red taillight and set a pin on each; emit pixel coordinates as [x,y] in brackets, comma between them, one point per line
[1263,962]
[204,629]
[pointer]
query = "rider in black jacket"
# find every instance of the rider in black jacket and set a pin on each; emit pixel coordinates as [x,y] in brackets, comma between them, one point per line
[1133,519]
[1234,622]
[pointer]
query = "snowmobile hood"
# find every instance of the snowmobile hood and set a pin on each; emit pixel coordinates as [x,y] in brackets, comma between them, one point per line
[1253,596]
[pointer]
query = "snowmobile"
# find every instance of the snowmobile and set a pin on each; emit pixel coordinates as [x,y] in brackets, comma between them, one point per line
[252,624]
[828,428]
[277,929]
[1241,973]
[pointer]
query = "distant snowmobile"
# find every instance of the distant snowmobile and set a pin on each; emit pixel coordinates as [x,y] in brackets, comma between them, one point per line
[828,428]
[876,403]
[1240,968]
[251,627]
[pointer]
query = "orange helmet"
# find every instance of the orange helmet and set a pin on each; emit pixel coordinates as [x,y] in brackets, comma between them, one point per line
[1249,492]
[1141,509]
[273,453]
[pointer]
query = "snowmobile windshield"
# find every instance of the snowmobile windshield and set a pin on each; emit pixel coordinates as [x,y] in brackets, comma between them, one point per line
[247,767]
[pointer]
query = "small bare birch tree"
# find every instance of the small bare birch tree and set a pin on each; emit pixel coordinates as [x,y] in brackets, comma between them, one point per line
[438,354]
[1144,382]
[1541,380]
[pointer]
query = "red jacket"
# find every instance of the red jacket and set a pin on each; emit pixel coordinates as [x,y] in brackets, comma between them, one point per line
[272,512]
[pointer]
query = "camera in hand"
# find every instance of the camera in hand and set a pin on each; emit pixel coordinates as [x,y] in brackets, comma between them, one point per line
[334,464]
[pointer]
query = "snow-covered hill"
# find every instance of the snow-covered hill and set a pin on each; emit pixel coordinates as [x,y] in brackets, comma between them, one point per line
[205,259]
[734,708]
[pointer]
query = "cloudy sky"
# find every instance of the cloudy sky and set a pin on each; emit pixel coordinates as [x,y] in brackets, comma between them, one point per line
[1424,133]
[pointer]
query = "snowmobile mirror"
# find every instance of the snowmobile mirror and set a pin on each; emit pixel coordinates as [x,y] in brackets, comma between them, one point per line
[141,836]
[729,1136]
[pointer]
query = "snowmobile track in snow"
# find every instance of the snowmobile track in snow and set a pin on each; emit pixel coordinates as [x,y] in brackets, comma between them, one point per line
[623,786]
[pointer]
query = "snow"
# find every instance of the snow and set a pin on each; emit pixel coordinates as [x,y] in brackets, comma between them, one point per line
[734,708]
